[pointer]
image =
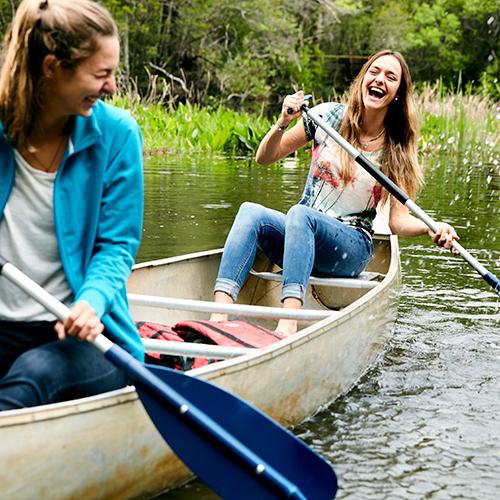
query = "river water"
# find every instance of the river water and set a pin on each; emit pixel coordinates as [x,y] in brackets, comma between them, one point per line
[424,421]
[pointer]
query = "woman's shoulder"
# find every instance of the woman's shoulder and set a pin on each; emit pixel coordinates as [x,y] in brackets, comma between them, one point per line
[108,115]
[331,112]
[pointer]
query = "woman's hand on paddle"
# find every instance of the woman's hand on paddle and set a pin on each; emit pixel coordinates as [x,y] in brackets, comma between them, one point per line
[292,102]
[444,236]
[82,323]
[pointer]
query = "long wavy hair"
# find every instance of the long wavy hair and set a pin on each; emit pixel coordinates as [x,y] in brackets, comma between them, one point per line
[399,156]
[68,29]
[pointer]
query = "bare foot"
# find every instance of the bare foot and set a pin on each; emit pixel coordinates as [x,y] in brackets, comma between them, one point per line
[288,327]
[221,298]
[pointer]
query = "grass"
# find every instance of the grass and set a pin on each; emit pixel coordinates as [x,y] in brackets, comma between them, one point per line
[456,127]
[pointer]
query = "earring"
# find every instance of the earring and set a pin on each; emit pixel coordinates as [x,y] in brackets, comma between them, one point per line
[396,98]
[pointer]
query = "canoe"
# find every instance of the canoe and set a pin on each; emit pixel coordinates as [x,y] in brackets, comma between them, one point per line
[106,447]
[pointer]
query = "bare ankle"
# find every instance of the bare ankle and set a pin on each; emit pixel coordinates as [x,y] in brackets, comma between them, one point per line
[218,317]
[287,327]
[221,298]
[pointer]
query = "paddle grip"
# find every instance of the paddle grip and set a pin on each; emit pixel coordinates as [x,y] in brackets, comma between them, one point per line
[307,97]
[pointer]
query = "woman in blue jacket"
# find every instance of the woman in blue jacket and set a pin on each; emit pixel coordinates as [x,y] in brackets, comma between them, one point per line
[71,198]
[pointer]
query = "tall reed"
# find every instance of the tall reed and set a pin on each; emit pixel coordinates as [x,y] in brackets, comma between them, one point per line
[458,127]
[459,144]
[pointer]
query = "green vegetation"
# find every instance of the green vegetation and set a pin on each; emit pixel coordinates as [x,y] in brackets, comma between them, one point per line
[453,125]
[247,54]
[209,75]
[191,128]
[459,127]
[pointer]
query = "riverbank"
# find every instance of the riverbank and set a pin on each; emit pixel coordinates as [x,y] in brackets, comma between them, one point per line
[452,125]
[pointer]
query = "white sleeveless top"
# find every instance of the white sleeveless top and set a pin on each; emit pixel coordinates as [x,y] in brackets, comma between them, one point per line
[353,202]
[28,240]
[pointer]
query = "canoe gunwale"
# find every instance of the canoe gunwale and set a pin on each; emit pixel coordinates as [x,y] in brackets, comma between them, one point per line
[94,434]
[65,408]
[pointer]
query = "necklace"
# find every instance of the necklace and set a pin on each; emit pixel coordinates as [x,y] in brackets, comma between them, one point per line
[49,168]
[365,144]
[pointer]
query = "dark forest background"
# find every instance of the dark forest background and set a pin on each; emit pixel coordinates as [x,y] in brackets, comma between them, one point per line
[247,54]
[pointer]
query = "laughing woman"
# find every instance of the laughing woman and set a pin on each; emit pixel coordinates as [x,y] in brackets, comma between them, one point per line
[329,232]
[71,202]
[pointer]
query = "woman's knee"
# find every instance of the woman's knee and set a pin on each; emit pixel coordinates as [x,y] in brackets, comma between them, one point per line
[299,215]
[39,363]
[250,215]
[249,210]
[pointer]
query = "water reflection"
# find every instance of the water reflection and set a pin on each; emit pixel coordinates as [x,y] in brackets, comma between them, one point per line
[424,422]
[191,201]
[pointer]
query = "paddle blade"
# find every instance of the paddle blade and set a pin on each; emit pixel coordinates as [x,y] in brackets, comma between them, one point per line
[276,446]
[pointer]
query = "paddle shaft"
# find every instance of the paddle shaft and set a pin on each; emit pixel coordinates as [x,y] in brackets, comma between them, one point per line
[174,401]
[400,195]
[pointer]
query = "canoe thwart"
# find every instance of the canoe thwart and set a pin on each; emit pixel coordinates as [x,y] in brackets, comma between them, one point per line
[365,280]
[234,309]
[193,349]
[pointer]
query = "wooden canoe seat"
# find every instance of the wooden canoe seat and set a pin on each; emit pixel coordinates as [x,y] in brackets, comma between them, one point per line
[365,280]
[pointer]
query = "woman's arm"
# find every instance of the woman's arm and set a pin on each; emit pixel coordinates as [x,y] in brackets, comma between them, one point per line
[402,223]
[277,143]
[118,232]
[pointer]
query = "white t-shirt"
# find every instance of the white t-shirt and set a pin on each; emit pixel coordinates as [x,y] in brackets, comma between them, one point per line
[28,240]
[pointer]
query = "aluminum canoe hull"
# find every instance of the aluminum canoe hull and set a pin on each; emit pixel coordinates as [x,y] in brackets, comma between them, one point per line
[106,447]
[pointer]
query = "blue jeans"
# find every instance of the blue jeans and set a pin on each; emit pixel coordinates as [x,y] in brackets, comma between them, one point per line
[302,242]
[36,368]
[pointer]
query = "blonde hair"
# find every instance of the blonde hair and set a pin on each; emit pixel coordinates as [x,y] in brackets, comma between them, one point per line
[67,29]
[399,157]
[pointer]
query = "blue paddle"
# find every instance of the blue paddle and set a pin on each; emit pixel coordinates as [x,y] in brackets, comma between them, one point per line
[400,195]
[231,446]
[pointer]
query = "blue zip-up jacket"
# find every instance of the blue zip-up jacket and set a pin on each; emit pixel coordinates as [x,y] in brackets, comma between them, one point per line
[98,208]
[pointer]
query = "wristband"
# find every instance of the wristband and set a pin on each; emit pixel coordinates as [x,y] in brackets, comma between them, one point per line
[281,127]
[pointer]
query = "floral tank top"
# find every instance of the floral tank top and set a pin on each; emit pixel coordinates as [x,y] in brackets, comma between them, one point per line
[353,202]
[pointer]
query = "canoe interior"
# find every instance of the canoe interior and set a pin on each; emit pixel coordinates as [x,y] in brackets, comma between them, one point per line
[194,277]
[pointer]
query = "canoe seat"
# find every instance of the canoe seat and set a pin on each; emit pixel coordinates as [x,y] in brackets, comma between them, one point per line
[366,279]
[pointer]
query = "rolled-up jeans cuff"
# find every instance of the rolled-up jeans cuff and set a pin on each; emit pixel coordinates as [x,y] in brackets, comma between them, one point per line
[227,286]
[292,291]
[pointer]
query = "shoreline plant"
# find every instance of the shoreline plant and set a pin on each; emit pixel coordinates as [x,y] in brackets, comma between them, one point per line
[460,127]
